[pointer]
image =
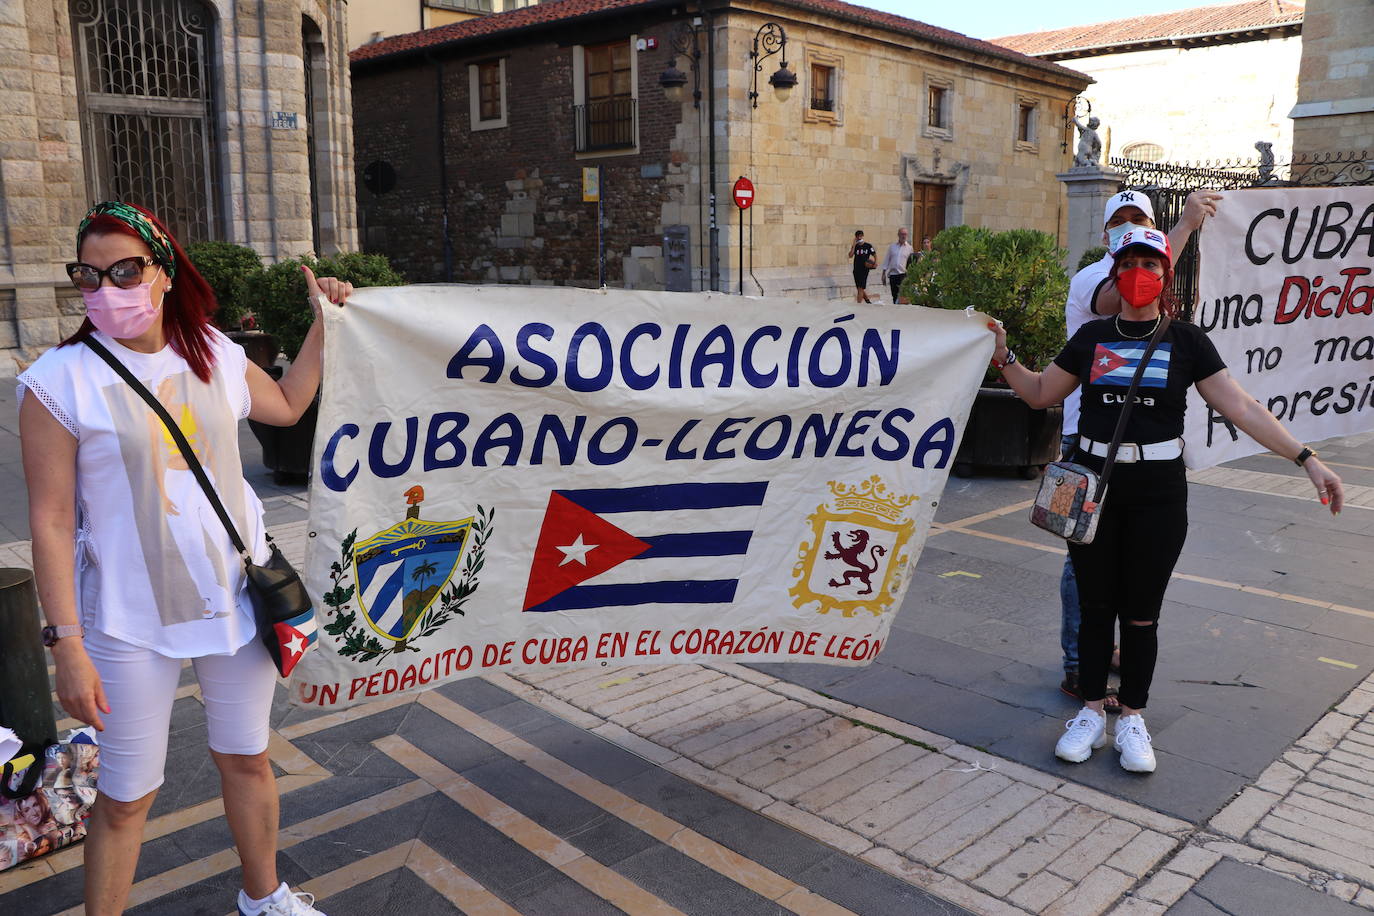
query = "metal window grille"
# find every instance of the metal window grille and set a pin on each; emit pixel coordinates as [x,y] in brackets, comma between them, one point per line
[822,96]
[606,124]
[146,93]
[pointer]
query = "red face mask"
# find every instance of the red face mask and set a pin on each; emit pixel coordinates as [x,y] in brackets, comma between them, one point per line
[1139,286]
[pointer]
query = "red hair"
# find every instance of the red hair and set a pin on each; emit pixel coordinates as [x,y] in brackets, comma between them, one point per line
[186,308]
[1168,302]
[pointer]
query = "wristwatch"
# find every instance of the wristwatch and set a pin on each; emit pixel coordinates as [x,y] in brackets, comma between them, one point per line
[1304,455]
[52,634]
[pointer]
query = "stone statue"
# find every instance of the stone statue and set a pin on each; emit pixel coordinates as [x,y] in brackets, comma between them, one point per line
[1266,161]
[1089,144]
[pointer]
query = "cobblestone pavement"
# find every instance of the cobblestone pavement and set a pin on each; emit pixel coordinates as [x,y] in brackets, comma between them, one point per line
[723,789]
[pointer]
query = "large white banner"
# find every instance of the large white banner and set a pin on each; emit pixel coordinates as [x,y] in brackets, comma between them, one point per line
[510,478]
[1286,295]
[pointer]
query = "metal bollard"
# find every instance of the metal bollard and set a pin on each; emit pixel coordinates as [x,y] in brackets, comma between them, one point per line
[25,698]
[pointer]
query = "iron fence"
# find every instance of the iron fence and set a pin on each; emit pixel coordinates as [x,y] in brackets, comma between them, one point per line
[1168,185]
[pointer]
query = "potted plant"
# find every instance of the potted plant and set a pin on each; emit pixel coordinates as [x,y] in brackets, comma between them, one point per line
[229,269]
[1018,277]
[279,297]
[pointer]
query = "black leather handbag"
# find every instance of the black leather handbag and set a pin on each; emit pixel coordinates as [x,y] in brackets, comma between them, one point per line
[281,604]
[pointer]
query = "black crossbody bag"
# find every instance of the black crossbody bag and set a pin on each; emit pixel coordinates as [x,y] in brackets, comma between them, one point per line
[1069,502]
[281,603]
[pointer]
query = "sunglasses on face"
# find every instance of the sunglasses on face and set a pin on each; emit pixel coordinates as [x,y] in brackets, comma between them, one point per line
[126,273]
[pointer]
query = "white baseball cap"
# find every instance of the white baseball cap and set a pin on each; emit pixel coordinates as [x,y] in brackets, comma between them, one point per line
[1147,238]
[1128,199]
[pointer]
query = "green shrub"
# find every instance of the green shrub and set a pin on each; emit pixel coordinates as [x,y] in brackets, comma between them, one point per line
[1091,256]
[228,268]
[1016,276]
[278,293]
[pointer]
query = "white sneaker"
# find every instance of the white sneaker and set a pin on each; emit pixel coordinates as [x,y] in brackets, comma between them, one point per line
[281,903]
[1133,743]
[1083,734]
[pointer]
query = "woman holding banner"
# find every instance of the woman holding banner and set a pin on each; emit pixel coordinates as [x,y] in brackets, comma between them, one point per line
[1142,525]
[113,538]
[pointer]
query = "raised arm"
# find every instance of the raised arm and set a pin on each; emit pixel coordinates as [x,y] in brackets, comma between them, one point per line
[1225,394]
[282,403]
[1038,389]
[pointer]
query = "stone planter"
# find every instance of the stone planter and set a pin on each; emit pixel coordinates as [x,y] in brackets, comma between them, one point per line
[260,346]
[286,450]
[1006,432]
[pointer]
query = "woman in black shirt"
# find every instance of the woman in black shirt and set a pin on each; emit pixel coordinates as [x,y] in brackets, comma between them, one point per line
[1123,573]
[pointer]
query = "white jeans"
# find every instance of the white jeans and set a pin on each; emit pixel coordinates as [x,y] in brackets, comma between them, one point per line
[141,686]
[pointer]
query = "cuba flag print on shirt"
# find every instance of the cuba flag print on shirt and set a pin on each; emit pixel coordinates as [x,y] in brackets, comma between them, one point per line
[1115,364]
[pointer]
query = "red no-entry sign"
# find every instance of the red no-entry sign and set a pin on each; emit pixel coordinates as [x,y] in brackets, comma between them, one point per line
[743,193]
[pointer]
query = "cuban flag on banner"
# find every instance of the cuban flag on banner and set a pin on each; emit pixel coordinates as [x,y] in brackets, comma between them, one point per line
[667,544]
[1114,364]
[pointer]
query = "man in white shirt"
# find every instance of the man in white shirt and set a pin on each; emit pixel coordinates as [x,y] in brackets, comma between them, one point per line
[1092,296]
[894,263]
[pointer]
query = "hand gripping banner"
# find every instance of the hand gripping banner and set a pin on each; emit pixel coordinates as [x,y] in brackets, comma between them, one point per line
[510,479]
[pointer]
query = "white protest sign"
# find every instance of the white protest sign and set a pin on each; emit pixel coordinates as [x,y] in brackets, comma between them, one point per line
[1286,295]
[510,478]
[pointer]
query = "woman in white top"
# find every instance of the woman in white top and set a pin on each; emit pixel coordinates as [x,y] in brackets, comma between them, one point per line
[132,576]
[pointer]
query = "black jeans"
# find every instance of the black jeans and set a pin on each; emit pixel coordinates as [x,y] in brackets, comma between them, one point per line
[896,281]
[1124,572]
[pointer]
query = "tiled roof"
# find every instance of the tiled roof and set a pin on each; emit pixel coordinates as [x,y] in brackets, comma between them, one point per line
[1206,20]
[551,13]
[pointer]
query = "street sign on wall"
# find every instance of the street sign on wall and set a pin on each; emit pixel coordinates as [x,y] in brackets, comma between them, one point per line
[743,193]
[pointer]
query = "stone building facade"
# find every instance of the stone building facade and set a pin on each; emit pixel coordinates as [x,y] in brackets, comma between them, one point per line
[1194,85]
[472,140]
[1335,105]
[230,120]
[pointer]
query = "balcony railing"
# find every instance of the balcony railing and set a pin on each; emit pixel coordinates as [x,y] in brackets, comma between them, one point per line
[606,124]
[822,104]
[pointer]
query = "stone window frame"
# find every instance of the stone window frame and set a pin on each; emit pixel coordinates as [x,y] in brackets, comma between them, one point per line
[944,130]
[475,96]
[1031,143]
[579,87]
[824,57]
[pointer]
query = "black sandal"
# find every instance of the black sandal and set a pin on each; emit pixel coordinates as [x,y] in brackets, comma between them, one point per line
[1111,703]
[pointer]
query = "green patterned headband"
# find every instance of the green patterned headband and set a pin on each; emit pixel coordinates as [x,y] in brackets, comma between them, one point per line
[147,230]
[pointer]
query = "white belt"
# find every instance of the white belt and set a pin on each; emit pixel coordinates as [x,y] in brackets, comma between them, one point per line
[1128,452]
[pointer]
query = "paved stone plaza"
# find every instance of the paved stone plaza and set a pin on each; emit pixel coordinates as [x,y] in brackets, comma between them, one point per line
[924,783]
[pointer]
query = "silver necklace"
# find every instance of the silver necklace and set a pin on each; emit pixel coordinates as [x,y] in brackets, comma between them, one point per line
[1149,333]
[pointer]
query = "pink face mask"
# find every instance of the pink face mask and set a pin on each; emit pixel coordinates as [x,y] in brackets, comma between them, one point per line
[122,313]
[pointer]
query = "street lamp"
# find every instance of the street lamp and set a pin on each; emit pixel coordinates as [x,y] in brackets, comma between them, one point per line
[771,39]
[674,82]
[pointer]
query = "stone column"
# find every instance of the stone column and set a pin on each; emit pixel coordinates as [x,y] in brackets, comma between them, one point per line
[1088,188]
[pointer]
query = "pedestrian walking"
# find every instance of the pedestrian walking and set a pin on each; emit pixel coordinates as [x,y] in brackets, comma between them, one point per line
[865,258]
[894,263]
[134,573]
[1123,573]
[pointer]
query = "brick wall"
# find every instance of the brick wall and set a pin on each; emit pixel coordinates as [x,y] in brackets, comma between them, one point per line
[515,205]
